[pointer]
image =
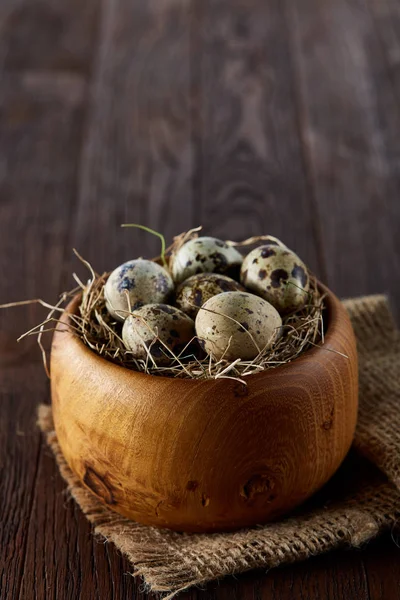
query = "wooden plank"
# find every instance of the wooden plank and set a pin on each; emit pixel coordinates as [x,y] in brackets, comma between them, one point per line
[349,125]
[19,456]
[47,34]
[381,560]
[44,544]
[335,576]
[136,167]
[386,15]
[238,137]
[64,559]
[138,155]
[251,173]
[40,132]
[40,119]
[332,577]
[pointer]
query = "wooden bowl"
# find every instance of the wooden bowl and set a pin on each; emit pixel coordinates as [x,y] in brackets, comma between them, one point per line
[206,455]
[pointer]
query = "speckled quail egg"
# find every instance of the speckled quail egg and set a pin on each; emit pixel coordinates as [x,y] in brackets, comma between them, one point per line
[237,325]
[157,327]
[205,255]
[277,275]
[145,281]
[195,291]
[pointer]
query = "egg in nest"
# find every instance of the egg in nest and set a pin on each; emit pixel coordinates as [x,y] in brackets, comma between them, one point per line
[277,275]
[197,289]
[144,281]
[158,330]
[205,255]
[236,325]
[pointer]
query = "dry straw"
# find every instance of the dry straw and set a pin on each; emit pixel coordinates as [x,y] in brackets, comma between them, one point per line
[101,333]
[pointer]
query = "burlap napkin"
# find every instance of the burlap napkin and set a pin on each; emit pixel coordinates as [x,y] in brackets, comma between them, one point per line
[362,499]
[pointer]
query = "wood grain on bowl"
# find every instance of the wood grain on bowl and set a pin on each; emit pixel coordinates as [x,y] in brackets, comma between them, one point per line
[206,455]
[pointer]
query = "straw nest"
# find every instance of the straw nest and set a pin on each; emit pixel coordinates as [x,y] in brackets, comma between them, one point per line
[102,334]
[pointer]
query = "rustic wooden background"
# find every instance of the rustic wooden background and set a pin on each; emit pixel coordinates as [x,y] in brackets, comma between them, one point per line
[246,116]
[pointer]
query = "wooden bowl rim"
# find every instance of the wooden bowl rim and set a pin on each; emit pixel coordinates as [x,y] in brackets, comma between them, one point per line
[333,308]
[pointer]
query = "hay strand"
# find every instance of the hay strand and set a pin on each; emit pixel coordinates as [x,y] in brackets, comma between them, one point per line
[156,233]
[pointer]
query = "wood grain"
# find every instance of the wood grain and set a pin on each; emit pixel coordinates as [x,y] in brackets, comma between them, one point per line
[41,35]
[349,124]
[342,576]
[137,163]
[39,115]
[63,559]
[251,175]
[98,570]
[386,17]
[17,475]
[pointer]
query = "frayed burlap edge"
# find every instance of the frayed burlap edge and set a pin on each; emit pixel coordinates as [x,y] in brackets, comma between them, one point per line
[171,562]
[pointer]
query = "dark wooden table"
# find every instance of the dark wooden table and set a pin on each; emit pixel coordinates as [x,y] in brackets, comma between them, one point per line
[245,116]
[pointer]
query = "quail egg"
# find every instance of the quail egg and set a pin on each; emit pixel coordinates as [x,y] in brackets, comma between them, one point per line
[205,255]
[278,275]
[237,325]
[144,280]
[195,291]
[159,328]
